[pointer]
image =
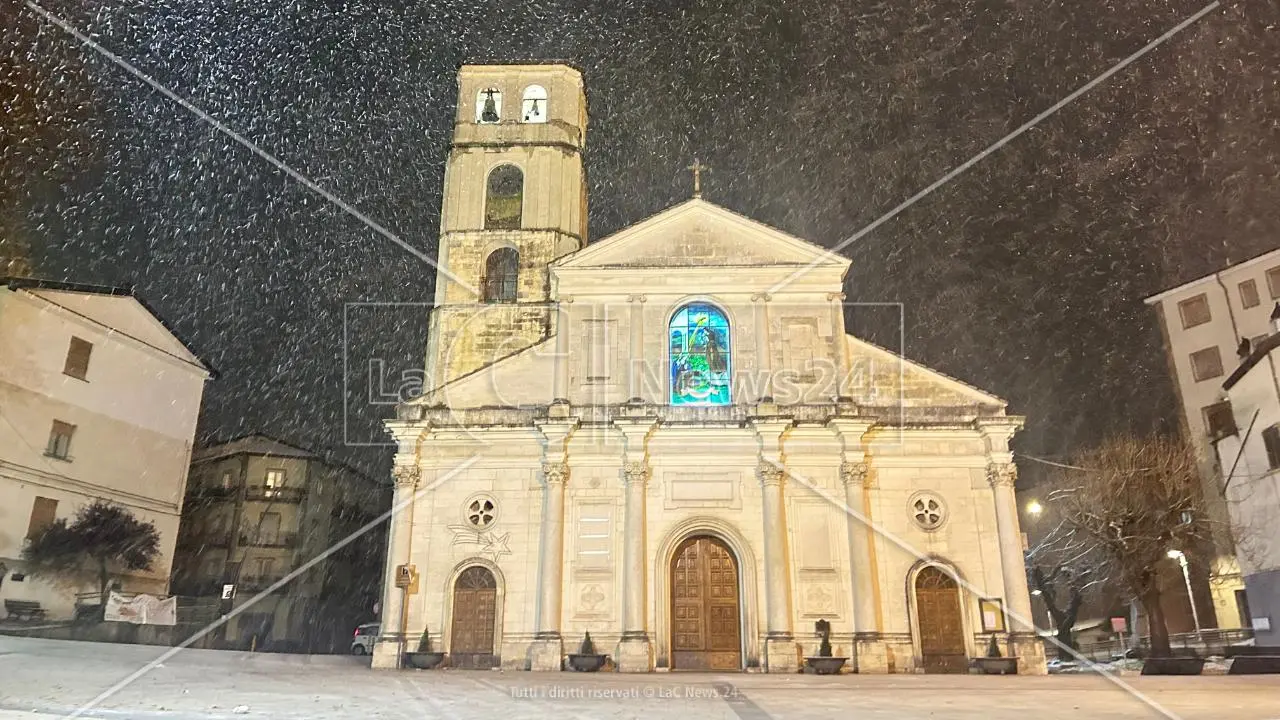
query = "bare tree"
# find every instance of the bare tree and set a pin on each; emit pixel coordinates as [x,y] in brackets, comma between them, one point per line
[1131,500]
[1066,571]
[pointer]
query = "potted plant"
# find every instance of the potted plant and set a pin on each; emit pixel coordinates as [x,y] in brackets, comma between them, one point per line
[587,659]
[995,663]
[824,664]
[424,658]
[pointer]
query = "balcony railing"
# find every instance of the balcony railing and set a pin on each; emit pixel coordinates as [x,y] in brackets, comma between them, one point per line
[258,582]
[283,540]
[272,494]
[214,492]
[217,540]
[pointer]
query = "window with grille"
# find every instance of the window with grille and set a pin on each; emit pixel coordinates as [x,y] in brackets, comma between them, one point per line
[501,275]
[1271,439]
[43,512]
[1249,294]
[60,440]
[77,362]
[1206,364]
[1194,311]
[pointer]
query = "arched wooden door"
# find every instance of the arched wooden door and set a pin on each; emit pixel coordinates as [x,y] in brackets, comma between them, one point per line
[475,609]
[938,616]
[706,622]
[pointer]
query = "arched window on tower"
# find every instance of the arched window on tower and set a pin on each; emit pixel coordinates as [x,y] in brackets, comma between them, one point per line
[489,106]
[504,198]
[700,355]
[534,108]
[501,272]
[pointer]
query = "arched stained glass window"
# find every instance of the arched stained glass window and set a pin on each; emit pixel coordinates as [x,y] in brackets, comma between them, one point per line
[504,198]
[700,356]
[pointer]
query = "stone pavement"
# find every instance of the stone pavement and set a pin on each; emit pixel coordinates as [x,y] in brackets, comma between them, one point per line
[40,679]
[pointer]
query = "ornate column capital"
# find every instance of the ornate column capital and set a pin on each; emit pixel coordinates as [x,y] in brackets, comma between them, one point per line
[636,473]
[1001,474]
[555,472]
[637,298]
[406,476]
[853,473]
[835,297]
[770,474]
[761,297]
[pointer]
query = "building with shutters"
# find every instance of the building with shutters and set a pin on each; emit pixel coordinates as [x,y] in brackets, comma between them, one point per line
[668,439]
[1203,323]
[264,523]
[98,400]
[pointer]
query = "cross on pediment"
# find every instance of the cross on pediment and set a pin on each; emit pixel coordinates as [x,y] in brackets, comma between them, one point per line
[697,167]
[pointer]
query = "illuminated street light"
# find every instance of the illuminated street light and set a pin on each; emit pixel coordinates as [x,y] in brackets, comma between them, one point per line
[1034,507]
[1181,557]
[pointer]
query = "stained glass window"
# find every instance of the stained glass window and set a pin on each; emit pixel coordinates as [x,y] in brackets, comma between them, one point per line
[700,356]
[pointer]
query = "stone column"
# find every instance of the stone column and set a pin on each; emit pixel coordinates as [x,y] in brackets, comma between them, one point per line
[636,362]
[560,382]
[782,654]
[387,648]
[869,651]
[635,650]
[1002,474]
[547,652]
[764,358]
[840,346]
[1002,477]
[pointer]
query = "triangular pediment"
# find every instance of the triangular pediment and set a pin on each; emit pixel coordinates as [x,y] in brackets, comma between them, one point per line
[697,233]
[880,378]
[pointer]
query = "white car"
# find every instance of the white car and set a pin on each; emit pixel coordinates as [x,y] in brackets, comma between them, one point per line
[362,643]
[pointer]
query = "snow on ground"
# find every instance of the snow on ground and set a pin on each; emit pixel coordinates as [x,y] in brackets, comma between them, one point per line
[45,678]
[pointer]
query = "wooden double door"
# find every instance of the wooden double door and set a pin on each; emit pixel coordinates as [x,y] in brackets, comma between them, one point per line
[706,621]
[475,610]
[941,623]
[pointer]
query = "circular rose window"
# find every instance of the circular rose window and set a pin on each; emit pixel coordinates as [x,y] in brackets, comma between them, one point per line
[481,512]
[927,510]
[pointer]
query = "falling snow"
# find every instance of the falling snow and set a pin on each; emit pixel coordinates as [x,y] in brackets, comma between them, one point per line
[1025,276]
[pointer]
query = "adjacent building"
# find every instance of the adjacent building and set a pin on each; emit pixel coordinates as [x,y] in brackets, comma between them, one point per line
[258,512]
[98,400]
[1247,425]
[1203,323]
[666,438]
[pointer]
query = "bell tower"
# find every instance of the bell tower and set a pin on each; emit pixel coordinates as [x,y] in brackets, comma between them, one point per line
[515,199]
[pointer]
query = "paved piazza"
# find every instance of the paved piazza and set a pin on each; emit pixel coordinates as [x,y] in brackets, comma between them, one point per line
[49,678]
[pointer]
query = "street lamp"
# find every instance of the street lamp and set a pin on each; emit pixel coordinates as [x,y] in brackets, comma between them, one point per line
[1181,557]
[1034,508]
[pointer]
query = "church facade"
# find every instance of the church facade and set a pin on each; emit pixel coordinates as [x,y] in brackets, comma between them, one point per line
[667,439]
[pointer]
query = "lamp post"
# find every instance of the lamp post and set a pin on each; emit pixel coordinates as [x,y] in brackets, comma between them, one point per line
[1181,557]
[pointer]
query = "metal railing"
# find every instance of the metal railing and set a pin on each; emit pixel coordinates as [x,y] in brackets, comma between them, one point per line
[273,494]
[206,539]
[282,540]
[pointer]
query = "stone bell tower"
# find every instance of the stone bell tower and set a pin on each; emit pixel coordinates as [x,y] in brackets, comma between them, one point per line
[515,199]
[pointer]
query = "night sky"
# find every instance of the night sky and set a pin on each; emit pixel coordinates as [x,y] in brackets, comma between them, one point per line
[1025,276]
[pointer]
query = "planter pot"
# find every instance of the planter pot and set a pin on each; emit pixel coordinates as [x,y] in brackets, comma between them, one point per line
[423,660]
[586,663]
[825,665]
[997,665]
[1173,666]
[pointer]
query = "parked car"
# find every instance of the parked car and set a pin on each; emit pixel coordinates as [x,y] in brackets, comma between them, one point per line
[362,643]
